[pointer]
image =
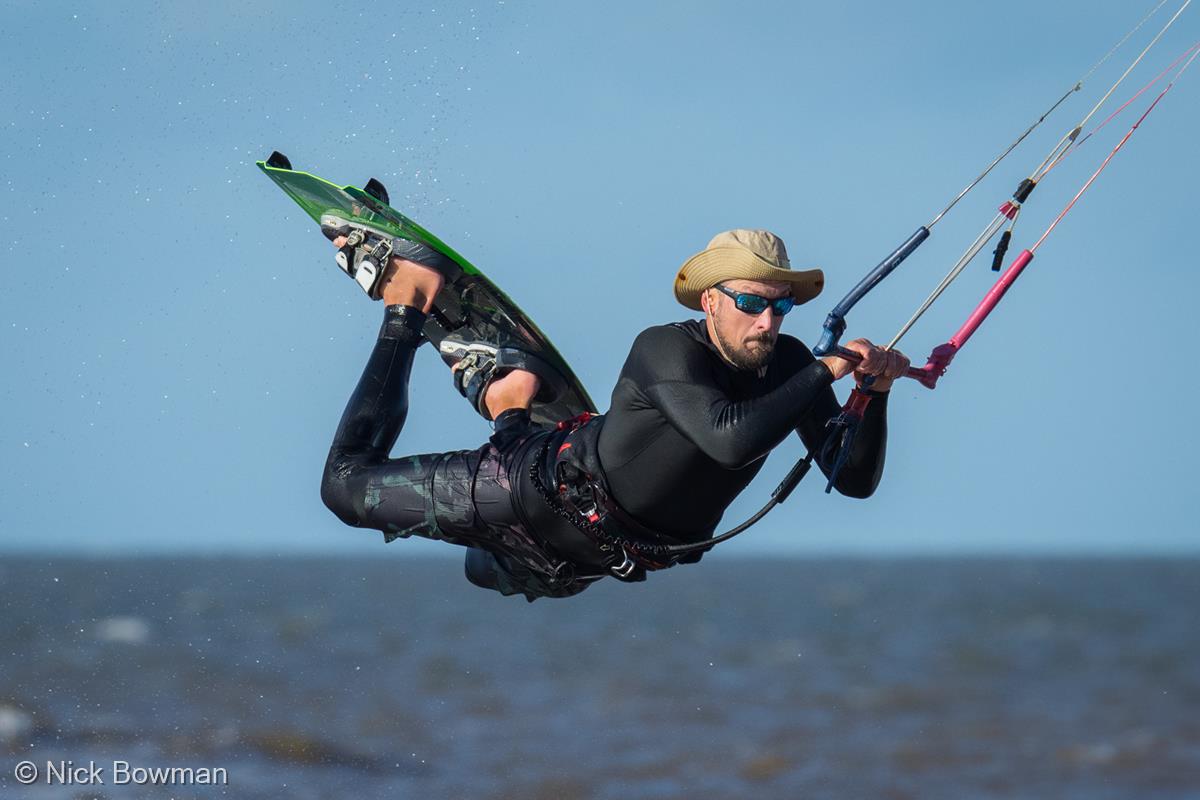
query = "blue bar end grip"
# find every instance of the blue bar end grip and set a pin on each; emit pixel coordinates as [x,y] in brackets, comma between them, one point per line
[835,323]
[831,332]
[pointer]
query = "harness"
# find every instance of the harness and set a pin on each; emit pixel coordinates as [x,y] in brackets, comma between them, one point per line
[581,499]
[630,549]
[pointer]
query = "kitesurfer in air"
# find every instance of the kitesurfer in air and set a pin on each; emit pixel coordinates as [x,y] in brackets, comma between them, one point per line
[696,409]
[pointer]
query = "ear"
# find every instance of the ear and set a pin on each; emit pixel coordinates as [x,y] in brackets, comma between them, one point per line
[704,301]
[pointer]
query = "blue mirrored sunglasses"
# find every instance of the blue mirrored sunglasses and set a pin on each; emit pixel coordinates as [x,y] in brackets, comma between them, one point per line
[756,304]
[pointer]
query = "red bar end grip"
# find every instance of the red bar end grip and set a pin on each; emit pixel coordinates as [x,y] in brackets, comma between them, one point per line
[935,368]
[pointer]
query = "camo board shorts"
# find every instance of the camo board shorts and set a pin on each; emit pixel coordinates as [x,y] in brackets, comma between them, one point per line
[481,499]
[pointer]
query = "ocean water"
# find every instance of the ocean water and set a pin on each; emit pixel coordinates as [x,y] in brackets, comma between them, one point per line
[394,678]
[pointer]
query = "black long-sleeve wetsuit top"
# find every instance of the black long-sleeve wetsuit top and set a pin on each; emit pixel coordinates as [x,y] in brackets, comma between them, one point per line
[687,431]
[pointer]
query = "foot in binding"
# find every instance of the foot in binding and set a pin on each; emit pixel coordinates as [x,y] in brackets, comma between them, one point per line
[495,377]
[363,253]
[376,261]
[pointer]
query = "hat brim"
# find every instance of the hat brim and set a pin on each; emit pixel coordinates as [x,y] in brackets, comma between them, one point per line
[709,267]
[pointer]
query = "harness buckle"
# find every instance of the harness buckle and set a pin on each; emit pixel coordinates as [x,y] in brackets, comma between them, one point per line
[591,512]
[625,568]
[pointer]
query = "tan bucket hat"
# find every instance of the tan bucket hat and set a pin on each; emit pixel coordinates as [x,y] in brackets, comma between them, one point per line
[747,255]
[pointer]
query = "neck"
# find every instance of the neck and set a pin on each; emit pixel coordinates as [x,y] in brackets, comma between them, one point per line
[716,341]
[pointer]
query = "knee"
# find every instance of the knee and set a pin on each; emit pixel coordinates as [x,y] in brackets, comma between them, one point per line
[336,491]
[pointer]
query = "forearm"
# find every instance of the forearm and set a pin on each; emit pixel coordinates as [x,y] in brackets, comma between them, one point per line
[861,473]
[736,432]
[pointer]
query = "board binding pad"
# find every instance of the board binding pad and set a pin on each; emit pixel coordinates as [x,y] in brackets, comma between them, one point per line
[469,303]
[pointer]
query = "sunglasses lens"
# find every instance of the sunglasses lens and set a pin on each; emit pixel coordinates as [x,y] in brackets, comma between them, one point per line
[751,303]
[783,305]
[755,304]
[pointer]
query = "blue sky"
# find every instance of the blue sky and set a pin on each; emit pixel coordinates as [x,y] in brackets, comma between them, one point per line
[177,343]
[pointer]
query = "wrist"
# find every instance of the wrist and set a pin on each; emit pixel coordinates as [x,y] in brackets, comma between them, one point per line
[838,367]
[879,386]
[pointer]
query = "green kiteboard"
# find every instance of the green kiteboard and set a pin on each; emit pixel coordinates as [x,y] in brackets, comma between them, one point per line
[469,303]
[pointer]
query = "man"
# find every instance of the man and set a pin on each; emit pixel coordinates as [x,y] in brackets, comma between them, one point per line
[696,409]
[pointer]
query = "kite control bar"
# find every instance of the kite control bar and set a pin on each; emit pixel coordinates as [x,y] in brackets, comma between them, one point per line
[926,374]
[835,323]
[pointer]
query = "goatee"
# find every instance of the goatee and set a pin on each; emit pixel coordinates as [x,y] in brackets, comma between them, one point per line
[745,358]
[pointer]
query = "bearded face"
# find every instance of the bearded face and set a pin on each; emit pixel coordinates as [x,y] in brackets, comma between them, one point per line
[752,352]
[747,341]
